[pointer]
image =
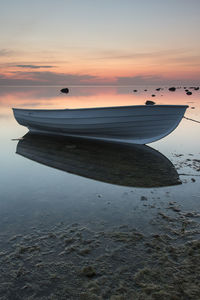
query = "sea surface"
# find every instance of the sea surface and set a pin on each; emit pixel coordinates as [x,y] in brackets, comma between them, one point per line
[93,220]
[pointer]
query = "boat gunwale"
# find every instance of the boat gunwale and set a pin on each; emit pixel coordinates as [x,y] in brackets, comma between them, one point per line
[99,108]
[24,117]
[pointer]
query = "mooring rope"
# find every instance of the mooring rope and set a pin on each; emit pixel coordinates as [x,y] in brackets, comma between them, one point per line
[191,119]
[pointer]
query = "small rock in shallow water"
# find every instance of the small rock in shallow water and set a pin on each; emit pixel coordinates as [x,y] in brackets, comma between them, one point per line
[149,102]
[65,90]
[172,89]
[88,271]
[175,208]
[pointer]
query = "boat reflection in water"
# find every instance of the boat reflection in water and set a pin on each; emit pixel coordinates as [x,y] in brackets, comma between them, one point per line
[121,164]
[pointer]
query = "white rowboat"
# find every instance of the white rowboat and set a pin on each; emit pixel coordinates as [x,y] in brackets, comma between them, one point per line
[139,124]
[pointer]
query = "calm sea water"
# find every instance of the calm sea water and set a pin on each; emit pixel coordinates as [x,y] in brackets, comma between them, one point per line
[94,185]
[32,192]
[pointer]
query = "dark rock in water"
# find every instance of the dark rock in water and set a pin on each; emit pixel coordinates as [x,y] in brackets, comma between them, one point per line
[145,90]
[187,90]
[135,91]
[153,95]
[149,102]
[196,88]
[189,93]
[65,90]
[158,89]
[172,89]
[88,271]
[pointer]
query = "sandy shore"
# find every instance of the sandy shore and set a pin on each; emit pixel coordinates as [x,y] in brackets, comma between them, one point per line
[76,262]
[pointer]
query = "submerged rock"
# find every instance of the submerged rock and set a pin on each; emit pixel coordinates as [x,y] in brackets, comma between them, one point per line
[88,271]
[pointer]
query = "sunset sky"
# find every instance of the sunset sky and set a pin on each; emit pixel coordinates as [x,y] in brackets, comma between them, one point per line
[112,42]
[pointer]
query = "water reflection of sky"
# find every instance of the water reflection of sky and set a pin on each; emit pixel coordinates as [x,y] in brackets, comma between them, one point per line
[50,97]
[31,191]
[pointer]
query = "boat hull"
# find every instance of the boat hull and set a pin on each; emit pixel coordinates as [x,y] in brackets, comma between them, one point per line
[137,124]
